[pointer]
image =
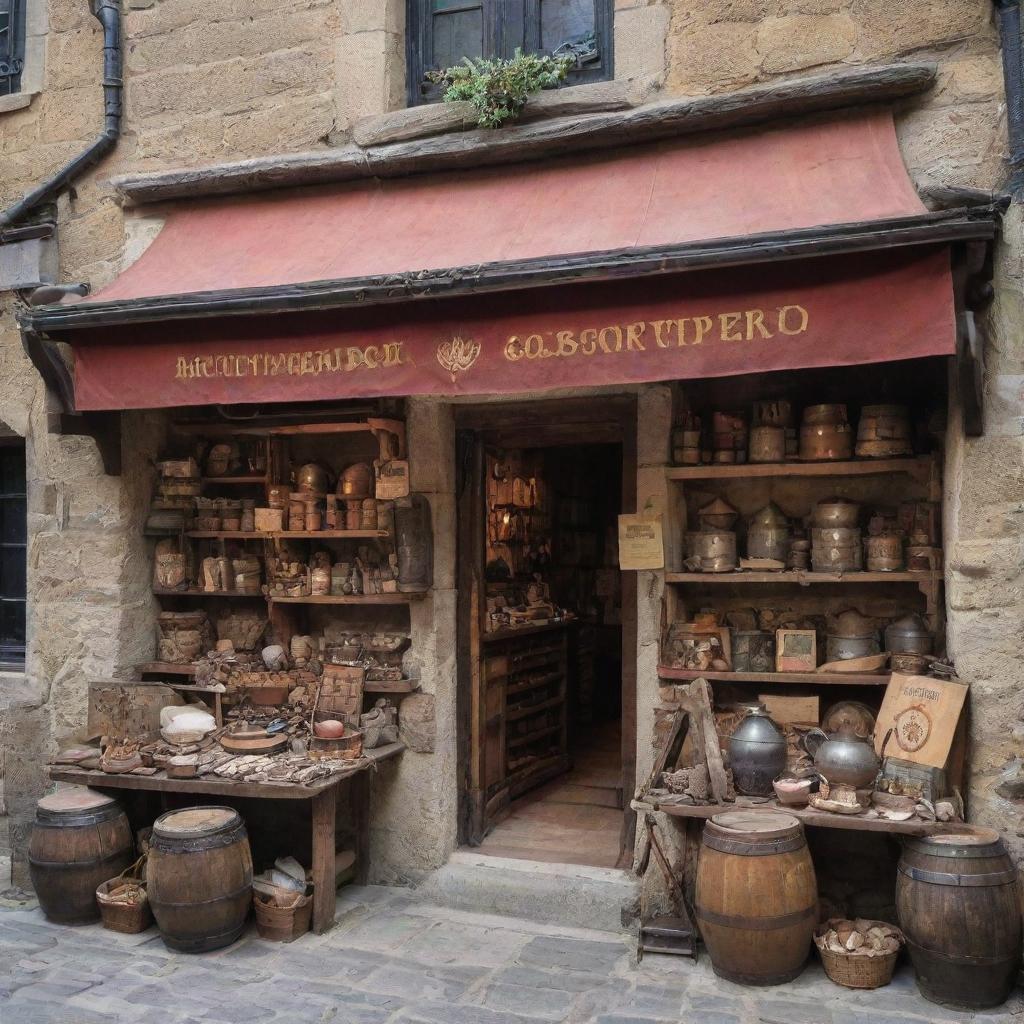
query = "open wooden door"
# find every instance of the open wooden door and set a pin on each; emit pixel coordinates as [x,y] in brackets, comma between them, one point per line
[482,680]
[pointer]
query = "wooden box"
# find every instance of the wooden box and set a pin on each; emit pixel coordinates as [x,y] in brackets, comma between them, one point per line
[341,692]
[269,520]
[919,716]
[796,650]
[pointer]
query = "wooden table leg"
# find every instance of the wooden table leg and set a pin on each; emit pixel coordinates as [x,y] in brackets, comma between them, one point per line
[360,796]
[324,809]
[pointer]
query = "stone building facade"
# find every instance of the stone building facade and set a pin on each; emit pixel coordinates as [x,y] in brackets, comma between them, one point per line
[231,79]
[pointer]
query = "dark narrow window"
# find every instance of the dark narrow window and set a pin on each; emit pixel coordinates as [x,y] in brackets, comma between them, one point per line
[13,523]
[444,32]
[12,45]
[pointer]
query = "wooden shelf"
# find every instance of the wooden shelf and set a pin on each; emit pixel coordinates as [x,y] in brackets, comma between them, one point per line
[809,816]
[207,593]
[234,479]
[514,689]
[285,534]
[326,534]
[390,685]
[517,631]
[285,430]
[919,466]
[349,599]
[165,668]
[804,678]
[803,579]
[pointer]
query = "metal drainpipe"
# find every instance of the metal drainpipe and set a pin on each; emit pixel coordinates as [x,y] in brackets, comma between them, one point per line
[1013,74]
[108,13]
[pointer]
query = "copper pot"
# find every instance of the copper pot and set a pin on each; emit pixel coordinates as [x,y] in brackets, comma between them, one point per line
[825,434]
[356,481]
[313,478]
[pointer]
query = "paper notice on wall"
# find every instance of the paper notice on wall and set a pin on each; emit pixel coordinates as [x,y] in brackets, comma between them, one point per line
[392,479]
[641,544]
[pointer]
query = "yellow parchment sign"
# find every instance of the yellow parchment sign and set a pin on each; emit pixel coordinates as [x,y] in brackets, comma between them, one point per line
[641,542]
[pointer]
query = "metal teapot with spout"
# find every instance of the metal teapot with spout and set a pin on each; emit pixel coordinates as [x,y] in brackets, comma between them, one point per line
[843,759]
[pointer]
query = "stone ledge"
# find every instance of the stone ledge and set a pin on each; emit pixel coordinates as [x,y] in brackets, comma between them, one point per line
[439,118]
[544,140]
[16,101]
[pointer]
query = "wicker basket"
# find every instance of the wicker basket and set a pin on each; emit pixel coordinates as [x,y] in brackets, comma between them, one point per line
[853,971]
[282,924]
[129,918]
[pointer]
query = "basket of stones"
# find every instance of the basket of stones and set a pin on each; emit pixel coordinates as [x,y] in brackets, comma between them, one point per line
[859,953]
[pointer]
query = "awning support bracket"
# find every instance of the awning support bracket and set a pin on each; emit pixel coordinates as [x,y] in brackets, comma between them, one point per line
[103,427]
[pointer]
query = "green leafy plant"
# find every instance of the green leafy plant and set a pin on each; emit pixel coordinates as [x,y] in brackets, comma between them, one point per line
[499,89]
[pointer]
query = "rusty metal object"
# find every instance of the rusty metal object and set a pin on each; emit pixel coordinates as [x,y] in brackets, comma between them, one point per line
[769,533]
[716,550]
[836,550]
[836,512]
[356,481]
[909,635]
[884,432]
[717,515]
[767,444]
[885,552]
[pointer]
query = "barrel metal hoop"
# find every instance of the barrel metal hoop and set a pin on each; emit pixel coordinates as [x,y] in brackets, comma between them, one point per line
[962,958]
[197,844]
[94,862]
[948,851]
[222,898]
[745,848]
[1007,877]
[52,819]
[755,924]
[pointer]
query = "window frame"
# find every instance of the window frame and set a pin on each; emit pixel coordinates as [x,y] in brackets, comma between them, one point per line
[502,37]
[12,58]
[12,655]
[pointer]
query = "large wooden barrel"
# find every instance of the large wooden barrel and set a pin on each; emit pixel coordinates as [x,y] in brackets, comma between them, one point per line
[757,897]
[199,877]
[958,899]
[80,839]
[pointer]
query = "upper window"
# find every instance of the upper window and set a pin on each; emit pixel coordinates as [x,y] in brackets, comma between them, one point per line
[12,45]
[444,32]
[13,523]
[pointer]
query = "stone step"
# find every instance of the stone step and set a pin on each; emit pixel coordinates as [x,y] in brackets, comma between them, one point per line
[573,895]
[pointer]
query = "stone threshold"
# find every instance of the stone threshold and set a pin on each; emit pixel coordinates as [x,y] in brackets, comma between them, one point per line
[553,137]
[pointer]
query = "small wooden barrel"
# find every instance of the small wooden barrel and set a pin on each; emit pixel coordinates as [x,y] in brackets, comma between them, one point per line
[80,839]
[958,899]
[199,878]
[757,896]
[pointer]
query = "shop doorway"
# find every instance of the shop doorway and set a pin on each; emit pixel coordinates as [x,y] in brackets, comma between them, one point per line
[546,631]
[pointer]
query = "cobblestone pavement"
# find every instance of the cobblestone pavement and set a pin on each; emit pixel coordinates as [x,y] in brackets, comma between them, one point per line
[392,959]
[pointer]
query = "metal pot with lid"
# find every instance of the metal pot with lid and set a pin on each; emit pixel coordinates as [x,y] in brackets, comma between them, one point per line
[851,635]
[757,753]
[836,513]
[769,534]
[908,635]
[717,515]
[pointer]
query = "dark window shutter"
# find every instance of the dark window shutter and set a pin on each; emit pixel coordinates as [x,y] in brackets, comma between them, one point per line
[442,33]
[12,45]
[13,537]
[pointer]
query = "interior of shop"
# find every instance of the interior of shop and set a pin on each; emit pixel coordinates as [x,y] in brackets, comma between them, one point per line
[551,652]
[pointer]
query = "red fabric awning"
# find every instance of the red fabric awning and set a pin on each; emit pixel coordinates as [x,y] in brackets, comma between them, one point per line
[836,310]
[700,188]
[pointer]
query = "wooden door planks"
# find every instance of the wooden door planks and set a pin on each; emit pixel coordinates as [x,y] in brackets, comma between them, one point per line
[700,693]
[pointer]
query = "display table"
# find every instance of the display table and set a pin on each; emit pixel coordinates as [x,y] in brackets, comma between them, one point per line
[323,797]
